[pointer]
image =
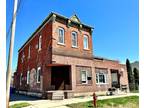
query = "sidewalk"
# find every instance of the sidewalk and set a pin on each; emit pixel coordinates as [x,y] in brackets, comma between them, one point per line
[62,103]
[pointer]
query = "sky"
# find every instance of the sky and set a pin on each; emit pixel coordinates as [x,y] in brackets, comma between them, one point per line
[115,22]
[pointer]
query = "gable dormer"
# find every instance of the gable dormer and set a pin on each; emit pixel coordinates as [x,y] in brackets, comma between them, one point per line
[75,18]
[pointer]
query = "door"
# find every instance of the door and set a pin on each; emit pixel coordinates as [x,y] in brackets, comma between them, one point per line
[115,78]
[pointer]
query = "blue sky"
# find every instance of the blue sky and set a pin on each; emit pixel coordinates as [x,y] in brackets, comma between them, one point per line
[115,22]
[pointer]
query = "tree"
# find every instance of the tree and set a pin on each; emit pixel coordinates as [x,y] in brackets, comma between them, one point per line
[130,75]
[136,75]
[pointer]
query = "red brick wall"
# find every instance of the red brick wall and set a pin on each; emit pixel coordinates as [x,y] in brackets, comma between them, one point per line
[107,64]
[67,49]
[51,51]
[37,58]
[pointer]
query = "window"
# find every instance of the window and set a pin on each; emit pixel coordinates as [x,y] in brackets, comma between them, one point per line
[61,36]
[101,76]
[38,74]
[74,39]
[22,58]
[84,77]
[28,77]
[20,79]
[29,52]
[85,42]
[40,42]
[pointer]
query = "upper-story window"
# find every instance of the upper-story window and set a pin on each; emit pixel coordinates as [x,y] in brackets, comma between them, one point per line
[85,42]
[61,36]
[38,74]
[28,77]
[29,51]
[21,75]
[40,42]
[22,57]
[74,39]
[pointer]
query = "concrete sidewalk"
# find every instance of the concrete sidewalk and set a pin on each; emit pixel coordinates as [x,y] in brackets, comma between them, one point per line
[62,103]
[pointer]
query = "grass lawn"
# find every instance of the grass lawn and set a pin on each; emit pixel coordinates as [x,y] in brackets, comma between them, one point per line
[124,102]
[20,105]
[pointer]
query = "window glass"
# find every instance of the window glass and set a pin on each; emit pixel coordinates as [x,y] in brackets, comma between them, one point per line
[101,76]
[29,52]
[96,78]
[38,74]
[21,79]
[85,42]
[61,36]
[74,39]
[84,77]
[28,77]
[40,42]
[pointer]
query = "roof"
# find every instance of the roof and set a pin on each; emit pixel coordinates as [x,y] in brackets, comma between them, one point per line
[102,58]
[74,19]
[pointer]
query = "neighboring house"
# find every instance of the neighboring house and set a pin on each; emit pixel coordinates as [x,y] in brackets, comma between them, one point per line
[59,56]
[135,65]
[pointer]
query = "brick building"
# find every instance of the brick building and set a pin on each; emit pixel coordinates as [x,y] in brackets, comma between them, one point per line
[59,56]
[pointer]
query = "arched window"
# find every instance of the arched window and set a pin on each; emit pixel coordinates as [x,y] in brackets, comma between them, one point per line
[29,52]
[61,36]
[74,39]
[85,42]
[40,42]
[38,74]
[21,79]
[28,77]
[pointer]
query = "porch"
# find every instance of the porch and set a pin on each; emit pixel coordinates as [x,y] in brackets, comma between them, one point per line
[60,77]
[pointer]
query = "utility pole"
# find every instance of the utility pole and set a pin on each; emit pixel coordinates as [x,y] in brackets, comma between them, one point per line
[9,67]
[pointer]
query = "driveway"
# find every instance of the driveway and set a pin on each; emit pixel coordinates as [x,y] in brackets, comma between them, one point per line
[39,103]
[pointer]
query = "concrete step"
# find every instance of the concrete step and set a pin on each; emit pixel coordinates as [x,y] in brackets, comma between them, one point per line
[58,95]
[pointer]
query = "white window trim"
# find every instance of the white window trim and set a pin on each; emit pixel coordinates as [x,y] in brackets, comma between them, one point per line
[60,28]
[86,77]
[76,39]
[87,48]
[28,77]
[39,68]
[105,75]
[40,43]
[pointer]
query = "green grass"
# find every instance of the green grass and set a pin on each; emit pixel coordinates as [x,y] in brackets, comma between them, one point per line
[20,105]
[124,102]
[135,91]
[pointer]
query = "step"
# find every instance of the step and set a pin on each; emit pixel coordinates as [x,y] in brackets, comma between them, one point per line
[58,95]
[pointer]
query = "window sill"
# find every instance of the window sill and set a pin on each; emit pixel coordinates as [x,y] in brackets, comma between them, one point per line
[38,82]
[74,46]
[83,84]
[101,83]
[61,44]
[39,50]
[86,49]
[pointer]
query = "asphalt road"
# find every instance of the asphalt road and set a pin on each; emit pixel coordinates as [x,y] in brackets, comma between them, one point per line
[18,97]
